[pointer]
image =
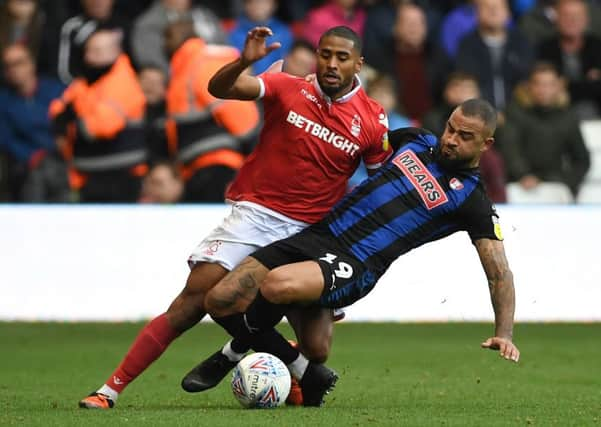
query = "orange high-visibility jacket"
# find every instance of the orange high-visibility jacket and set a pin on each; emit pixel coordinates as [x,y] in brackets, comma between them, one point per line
[108,133]
[201,129]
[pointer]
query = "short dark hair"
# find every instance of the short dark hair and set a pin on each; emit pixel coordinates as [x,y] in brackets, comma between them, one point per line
[482,109]
[345,33]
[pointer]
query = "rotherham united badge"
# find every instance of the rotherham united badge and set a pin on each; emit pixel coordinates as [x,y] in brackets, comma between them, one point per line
[455,184]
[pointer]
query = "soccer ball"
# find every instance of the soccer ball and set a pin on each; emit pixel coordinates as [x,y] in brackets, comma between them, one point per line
[261,380]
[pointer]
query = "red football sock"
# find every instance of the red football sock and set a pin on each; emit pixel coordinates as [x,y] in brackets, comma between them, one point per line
[150,343]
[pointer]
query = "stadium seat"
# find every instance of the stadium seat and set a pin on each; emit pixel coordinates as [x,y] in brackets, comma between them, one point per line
[546,192]
[591,132]
[590,192]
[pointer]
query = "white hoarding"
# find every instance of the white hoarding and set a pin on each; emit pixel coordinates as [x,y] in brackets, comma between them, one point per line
[129,262]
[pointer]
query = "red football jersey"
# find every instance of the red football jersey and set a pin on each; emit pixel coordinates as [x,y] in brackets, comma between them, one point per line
[309,146]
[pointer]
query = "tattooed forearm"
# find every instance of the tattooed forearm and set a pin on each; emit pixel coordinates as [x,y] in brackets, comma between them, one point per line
[500,283]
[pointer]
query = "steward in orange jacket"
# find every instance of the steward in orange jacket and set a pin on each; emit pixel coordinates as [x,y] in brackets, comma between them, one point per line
[98,119]
[204,134]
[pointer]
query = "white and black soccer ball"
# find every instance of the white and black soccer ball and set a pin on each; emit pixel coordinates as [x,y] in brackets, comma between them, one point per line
[261,380]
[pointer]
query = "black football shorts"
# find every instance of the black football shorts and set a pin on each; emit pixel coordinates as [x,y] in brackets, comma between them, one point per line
[346,278]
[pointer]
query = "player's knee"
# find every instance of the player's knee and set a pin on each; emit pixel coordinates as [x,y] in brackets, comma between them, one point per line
[278,287]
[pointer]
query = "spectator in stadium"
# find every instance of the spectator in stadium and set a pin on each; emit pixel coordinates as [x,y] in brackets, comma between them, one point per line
[457,24]
[500,57]
[163,184]
[97,14]
[300,60]
[545,142]
[37,173]
[577,56]
[333,13]
[98,123]
[381,89]
[205,135]
[22,21]
[540,23]
[419,67]
[153,82]
[148,35]
[261,13]
[380,21]
[459,88]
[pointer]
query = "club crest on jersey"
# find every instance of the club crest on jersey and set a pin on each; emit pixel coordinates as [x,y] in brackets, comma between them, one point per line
[455,184]
[420,177]
[356,126]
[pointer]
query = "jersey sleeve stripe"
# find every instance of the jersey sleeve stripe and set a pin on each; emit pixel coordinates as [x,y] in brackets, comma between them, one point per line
[261,88]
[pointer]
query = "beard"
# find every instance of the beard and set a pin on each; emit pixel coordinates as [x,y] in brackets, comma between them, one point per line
[450,163]
[332,91]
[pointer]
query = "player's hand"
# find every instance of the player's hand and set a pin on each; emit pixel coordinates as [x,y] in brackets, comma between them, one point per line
[507,349]
[255,47]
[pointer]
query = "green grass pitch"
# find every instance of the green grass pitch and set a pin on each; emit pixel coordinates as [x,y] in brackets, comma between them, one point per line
[390,374]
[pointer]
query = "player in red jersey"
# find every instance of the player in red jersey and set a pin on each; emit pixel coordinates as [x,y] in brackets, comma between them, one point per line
[313,138]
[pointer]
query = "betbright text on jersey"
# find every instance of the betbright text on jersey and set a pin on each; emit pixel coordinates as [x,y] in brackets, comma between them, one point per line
[309,147]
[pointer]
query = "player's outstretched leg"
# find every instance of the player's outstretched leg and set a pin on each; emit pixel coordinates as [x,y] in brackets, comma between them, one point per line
[185,311]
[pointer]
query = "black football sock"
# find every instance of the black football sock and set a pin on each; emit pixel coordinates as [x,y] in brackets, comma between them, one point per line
[271,341]
[263,314]
[236,327]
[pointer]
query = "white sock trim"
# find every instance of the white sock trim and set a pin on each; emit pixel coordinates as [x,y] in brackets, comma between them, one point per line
[231,354]
[298,367]
[107,391]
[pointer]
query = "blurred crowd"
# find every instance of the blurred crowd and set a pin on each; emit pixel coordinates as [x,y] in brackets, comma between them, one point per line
[107,101]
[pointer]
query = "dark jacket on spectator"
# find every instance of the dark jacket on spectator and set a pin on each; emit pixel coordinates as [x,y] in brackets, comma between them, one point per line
[590,58]
[474,58]
[546,143]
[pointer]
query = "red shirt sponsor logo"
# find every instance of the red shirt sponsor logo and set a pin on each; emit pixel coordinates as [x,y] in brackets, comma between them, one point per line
[426,185]
[322,132]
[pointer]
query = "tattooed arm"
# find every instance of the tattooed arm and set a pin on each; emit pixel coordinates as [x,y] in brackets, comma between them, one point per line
[237,289]
[502,294]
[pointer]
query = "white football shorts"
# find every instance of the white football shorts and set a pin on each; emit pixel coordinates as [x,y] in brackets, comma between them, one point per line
[248,227]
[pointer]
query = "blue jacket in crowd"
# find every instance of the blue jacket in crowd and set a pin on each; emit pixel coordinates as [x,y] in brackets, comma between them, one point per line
[24,124]
[281,33]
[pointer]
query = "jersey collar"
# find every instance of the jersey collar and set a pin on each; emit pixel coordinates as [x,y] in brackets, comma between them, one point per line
[343,99]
